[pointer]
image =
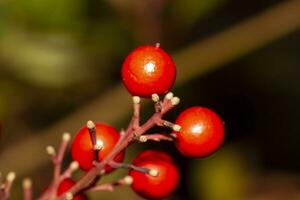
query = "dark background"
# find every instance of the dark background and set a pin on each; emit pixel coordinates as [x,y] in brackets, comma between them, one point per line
[59,58]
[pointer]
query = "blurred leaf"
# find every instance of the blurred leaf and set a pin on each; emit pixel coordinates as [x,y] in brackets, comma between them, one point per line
[47,60]
[10,95]
[108,39]
[48,13]
[221,176]
[188,11]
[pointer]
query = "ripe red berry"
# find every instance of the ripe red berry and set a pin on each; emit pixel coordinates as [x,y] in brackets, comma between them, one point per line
[148,70]
[201,133]
[82,149]
[65,185]
[154,187]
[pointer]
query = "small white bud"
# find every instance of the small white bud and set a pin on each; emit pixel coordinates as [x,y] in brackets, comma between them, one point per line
[69,196]
[90,124]
[128,180]
[122,132]
[10,177]
[153,172]
[169,96]
[102,172]
[155,97]
[143,138]
[175,101]
[27,183]
[50,150]
[66,137]
[176,127]
[136,99]
[157,45]
[74,165]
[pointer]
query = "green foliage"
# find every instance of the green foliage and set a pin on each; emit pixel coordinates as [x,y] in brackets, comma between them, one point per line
[43,60]
[48,13]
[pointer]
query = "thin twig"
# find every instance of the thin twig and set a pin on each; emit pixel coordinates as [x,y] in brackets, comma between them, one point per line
[155,137]
[27,189]
[123,142]
[69,171]
[235,42]
[51,192]
[127,180]
[6,187]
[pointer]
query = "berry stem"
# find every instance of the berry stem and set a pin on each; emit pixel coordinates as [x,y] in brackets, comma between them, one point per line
[69,171]
[27,189]
[50,193]
[125,139]
[127,180]
[6,187]
[129,166]
[136,113]
[135,120]
[155,137]
[92,131]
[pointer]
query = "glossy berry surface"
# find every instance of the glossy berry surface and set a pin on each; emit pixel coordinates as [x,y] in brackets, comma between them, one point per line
[82,148]
[154,187]
[201,133]
[148,70]
[65,185]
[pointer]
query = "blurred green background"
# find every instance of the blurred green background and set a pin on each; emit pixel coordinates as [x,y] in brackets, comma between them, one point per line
[60,65]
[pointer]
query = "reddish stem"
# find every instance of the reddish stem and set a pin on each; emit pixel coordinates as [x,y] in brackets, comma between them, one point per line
[27,189]
[50,193]
[127,180]
[156,137]
[132,131]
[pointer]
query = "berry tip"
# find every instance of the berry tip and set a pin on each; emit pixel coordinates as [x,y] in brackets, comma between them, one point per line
[176,127]
[136,99]
[155,97]
[50,150]
[74,165]
[90,124]
[66,137]
[169,95]
[27,183]
[69,196]
[175,101]
[10,177]
[128,180]
[143,138]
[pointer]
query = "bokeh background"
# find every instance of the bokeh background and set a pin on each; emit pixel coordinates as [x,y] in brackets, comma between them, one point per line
[60,66]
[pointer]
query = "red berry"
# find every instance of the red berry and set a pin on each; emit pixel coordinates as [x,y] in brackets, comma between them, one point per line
[65,185]
[154,187]
[82,148]
[148,70]
[201,133]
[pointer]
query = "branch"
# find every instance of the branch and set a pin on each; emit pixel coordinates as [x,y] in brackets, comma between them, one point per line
[27,189]
[212,53]
[57,159]
[125,140]
[156,137]
[127,180]
[6,187]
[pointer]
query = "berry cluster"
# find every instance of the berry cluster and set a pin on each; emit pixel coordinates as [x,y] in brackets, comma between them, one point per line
[98,148]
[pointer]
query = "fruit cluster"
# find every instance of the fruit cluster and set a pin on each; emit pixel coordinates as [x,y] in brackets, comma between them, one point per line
[98,148]
[148,71]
